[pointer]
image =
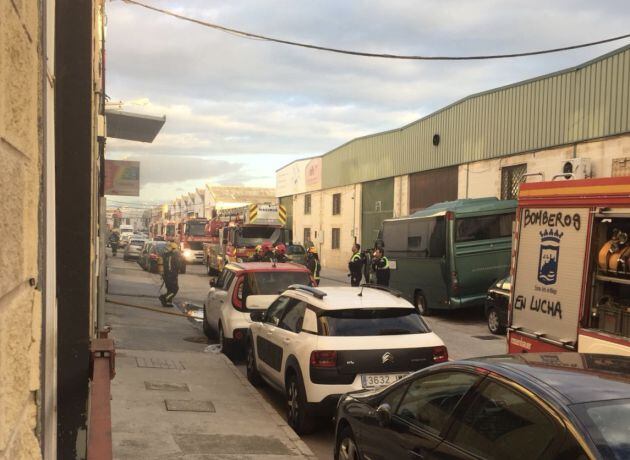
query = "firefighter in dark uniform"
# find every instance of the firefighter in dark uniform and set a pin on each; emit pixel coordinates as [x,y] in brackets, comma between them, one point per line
[356,265]
[257,257]
[280,253]
[267,252]
[380,266]
[172,264]
[312,263]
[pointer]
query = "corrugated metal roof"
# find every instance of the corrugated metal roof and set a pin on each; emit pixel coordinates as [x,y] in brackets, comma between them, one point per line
[588,101]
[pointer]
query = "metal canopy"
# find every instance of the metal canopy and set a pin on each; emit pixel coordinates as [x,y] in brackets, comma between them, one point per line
[133,126]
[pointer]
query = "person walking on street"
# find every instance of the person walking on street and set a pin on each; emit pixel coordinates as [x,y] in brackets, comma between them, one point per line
[114,240]
[380,266]
[172,265]
[356,265]
[312,263]
[280,253]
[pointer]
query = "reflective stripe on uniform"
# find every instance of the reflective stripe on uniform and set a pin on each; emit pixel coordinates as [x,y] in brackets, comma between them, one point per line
[355,257]
[386,263]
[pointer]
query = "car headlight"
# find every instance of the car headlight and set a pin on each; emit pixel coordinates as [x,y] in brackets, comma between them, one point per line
[188,253]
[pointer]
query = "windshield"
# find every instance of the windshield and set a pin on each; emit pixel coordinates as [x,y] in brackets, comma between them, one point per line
[251,236]
[369,322]
[275,282]
[170,230]
[607,423]
[196,229]
[137,243]
[159,248]
[195,245]
[484,227]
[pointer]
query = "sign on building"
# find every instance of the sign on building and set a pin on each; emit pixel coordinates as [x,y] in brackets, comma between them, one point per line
[122,178]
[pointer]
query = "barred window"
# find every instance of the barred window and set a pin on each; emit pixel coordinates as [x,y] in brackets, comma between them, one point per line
[307,235]
[336,204]
[336,237]
[307,204]
[511,180]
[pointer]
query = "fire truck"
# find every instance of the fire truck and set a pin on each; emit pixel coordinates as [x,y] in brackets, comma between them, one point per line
[169,231]
[235,233]
[571,267]
[192,234]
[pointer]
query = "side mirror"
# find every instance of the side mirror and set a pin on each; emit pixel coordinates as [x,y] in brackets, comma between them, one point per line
[384,414]
[257,316]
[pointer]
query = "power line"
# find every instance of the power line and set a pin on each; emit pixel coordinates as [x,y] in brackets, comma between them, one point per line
[243,34]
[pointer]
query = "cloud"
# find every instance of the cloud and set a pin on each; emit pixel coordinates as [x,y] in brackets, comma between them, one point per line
[234,106]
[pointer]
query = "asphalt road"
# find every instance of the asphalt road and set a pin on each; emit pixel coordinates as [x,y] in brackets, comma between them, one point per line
[464,333]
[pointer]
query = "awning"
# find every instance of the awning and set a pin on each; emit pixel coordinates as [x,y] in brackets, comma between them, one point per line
[133,126]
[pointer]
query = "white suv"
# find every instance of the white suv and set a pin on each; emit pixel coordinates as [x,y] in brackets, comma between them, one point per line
[315,344]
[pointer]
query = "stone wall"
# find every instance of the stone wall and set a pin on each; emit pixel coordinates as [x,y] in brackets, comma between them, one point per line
[20,301]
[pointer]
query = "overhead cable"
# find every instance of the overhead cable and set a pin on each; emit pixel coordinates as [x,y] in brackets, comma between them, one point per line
[244,34]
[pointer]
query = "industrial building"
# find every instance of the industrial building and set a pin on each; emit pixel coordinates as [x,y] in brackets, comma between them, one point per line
[570,124]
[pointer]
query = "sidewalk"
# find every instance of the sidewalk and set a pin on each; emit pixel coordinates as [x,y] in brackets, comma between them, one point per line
[172,400]
[336,275]
[183,405]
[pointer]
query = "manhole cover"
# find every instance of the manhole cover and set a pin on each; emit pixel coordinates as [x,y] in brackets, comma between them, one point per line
[186,405]
[163,386]
[486,337]
[237,445]
[158,363]
[196,339]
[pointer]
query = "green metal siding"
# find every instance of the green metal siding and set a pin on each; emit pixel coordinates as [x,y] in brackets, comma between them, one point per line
[586,102]
[371,216]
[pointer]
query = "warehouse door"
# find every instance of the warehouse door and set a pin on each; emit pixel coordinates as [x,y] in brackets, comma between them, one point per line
[430,187]
[377,204]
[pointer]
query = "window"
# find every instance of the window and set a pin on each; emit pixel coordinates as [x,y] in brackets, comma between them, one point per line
[365,322]
[225,278]
[421,237]
[511,180]
[336,237]
[607,423]
[336,204]
[430,400]
[502,424]
[294,317]
[307,235]
[276,310]
[307,204]
[275,282]
[484,227]
[393,397]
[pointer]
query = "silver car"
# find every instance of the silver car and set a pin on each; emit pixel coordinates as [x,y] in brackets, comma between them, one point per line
[134,248]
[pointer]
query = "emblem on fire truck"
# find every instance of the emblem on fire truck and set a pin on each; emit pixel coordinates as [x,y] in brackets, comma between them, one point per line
[549,256]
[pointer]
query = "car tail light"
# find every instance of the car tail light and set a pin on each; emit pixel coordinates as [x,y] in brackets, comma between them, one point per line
[454,283]
[323,358]
[440,354]
[237,295]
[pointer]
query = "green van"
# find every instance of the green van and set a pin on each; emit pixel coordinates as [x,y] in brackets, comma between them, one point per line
[446,256]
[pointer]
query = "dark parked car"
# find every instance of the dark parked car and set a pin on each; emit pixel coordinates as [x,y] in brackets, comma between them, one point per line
[296,253]
[496,308]
[151,256]
[524,406]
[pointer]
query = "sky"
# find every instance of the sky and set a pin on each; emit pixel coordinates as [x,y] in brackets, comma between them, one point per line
[239,109]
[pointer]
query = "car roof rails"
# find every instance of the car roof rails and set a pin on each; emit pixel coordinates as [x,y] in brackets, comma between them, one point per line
[308,289]
[380,288]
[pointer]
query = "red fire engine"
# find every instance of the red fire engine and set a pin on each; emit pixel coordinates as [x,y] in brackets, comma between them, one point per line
[571,267]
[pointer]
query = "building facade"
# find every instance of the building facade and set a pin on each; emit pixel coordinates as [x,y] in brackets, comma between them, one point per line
[570,124]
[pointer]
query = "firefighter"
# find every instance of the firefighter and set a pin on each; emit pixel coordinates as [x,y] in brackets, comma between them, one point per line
[258,254]
[312,263]
[355,265]
[114,240]
[280,253]
[172,264]
[267,252]
[380,266]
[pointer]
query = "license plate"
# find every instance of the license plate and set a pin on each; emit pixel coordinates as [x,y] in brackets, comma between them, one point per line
[378,380]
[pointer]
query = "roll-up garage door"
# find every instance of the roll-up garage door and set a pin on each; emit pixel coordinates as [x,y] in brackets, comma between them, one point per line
[430,187]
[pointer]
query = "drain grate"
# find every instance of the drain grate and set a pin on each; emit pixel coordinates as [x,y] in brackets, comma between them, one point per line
[186,405]
[486,337]
[157,363]
[163,386]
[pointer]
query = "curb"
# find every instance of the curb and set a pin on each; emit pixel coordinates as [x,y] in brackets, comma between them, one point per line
[300,446]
